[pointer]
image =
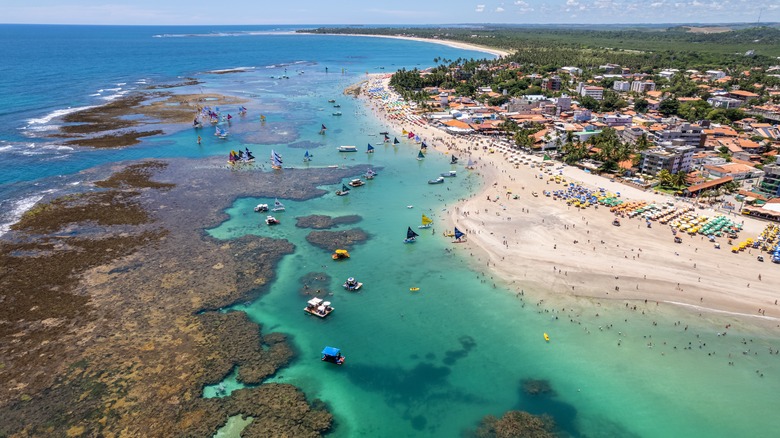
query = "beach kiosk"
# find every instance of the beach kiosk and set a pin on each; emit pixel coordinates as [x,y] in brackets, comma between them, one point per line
[332,355]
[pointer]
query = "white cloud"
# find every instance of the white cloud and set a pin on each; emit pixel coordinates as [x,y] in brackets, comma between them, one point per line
[499,9]
[572,3]
[480,8]
[656,5]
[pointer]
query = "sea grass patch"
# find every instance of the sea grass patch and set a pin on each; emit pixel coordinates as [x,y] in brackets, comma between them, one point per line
[322,222]
[128,138]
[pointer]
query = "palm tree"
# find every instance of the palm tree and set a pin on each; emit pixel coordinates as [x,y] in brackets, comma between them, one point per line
[664,178]
[679,180]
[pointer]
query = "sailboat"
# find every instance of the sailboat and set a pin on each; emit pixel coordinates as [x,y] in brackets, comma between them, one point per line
[370,174]
[307,157]
[470,164]
[459,236]
[323,129]
[387,139]
[395,140]
[420,155]
[278,206]
[454,160]
[221,133]
[423,146]
[276,160]
[411,236]
[370,149]
[344,191]
[426,222]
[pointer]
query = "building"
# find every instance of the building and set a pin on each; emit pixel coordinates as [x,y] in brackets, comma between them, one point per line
[591,91]
[552,83]
[714,75]
[688,134]
[617,120]
[672,158]
[582,115]
[564,103]
[668,73]
[724,102]
[621,86]
[574,71]
[698,189]
[742,95]
[737,171]
[770,183]
[642,87]
[444,99]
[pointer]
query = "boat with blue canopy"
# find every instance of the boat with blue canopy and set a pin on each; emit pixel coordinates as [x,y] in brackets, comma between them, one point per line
[332,355]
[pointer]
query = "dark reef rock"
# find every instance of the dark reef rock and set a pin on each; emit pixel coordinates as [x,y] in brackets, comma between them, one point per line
[333,240]
[537,387]
[110,336]
[515,424]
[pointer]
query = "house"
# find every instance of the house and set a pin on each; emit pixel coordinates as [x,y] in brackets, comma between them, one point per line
[737,171]
[574,71]
[613,120]
[698,189]
[724,102]
[621,86]
[742,95]
[714,75]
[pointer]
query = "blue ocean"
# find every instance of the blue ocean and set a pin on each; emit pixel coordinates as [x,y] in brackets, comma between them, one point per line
[425,362]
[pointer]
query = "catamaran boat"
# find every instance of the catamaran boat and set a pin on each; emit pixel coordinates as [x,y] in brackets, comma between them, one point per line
[317,307]
[347,148]
[357,182]
[278,206]
[261,207]
[352,285]
[438,180]
[450,174]
[270,220]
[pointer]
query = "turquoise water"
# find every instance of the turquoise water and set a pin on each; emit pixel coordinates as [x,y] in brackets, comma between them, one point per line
[426,363]
[434,362]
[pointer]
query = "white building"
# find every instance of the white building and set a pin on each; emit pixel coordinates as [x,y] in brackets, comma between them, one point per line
[672,158]
[621,86]
[572,70]
[715,74]
[642,86]
[668,73]
[590,90]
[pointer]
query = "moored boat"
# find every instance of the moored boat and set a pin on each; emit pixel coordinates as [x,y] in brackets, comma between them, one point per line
[261,207]
[340,254]
[347,148]
[317,307]
[332,355]
[343,192]
[352,285]
[278,206]
[426,222]
[357,182]
[270,220]
[450,174]
[438,180]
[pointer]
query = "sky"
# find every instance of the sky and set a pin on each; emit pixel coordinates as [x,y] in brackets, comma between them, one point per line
[377,12]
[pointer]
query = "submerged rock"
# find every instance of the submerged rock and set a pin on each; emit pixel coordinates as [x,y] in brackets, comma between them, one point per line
[333,240]
[516,424]
[321,222]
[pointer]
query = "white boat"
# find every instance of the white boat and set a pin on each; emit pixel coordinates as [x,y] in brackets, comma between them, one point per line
[270,220]
[370,174]
[352,285]
[450,174]
[438,180]
[317,307]
[357,182]
[261,207]
[343,192]
[278,206]
[347,148]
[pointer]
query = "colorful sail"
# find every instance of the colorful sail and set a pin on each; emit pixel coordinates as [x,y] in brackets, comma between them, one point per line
[306,157]
[410,135]
[323,129]
[344,188]
[276,160]
[420,155]
[417,138]
[370,149]
[423,146]
[395,140]
[404,132]
[470,164]
[410,234]
[249,155]
[387,139]
[454,160]
[458,234]
[426,220]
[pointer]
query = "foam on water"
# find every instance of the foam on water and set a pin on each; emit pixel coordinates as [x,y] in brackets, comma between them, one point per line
[14,209]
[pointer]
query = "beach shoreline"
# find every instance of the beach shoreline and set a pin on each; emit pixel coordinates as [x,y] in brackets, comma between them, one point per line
[558,253]
[499,53]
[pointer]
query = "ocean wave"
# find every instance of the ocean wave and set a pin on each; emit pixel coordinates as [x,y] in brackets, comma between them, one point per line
[115,96]
[57,113]
[15,209]
[229,70]
[223,34]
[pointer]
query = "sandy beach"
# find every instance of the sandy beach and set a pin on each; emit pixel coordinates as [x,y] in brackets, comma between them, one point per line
[556,251]
[448,43]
